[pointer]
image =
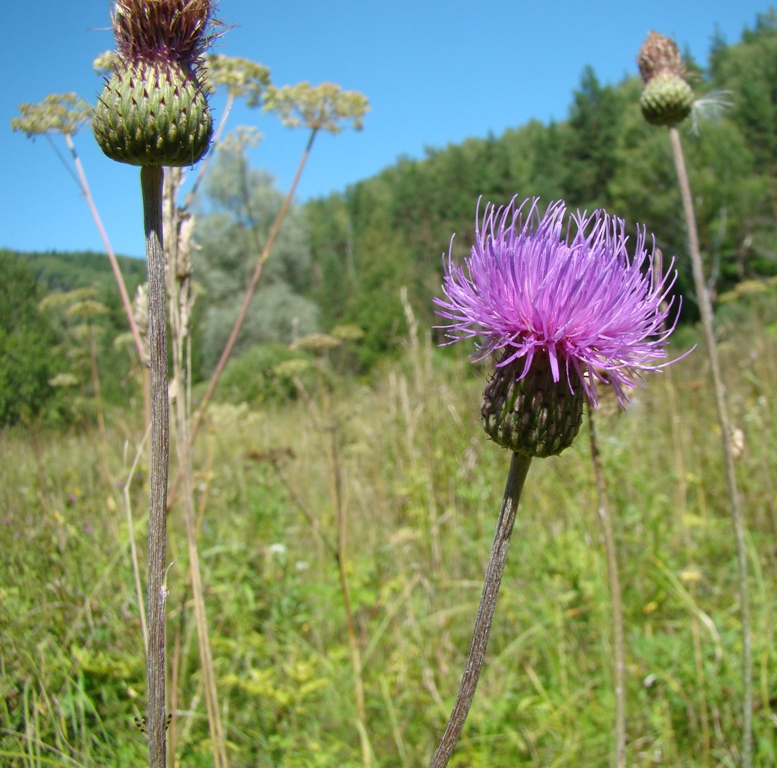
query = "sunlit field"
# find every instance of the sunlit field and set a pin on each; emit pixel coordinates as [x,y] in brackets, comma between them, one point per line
[418,484]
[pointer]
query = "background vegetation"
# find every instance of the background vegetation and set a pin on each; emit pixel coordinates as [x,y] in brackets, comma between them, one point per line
[421,488]
[420,485]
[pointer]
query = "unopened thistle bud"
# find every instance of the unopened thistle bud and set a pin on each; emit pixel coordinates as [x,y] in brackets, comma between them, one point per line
[667,98]
[153,109]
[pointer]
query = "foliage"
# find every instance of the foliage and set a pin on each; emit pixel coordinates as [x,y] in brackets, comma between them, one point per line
[748,72]
[421,488]
[594,126]
[26,341]
[87,269]
[56,343]
[79,269]
[603,154]
[234,222]
[263,374]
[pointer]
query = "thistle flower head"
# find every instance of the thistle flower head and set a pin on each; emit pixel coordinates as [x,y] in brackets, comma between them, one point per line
[162,30]
[659,54]
[563,308]
[153,109]
[667,98]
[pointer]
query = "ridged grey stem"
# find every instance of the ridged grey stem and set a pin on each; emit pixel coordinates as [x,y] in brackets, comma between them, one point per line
[519,467]
[151,185]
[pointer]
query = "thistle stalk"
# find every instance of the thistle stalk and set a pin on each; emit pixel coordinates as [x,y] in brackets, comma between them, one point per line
[737,519]
[543,298]
[153,112]
[519,468]
[151,178]
[667,99]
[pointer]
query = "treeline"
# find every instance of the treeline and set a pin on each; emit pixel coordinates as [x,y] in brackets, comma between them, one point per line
[60,313]
[343,260]
[391,230]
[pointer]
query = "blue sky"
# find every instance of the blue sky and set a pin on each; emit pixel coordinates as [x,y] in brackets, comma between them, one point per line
[435,72]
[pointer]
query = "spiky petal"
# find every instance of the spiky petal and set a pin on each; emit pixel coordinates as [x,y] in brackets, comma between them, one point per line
[162,30]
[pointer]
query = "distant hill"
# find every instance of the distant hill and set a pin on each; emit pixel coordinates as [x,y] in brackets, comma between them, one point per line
[390,230]
[63,271]
[67,270]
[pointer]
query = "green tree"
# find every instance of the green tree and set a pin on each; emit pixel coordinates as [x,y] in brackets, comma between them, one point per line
[233,223]
[371,298]
[26,342]
[748,71]
[602,155]
[590,149]
[330,229]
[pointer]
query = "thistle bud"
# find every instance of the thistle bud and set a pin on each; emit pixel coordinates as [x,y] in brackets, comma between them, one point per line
[533,415]
[667,98]
[153,110]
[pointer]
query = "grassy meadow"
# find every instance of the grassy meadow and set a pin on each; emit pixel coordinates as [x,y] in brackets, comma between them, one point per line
[418,486]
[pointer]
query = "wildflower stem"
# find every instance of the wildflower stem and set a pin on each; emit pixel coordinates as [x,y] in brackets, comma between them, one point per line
[199,415]
[151,178]
[519,467]
[616,601]
[180,290]
[705,308]
[87,193]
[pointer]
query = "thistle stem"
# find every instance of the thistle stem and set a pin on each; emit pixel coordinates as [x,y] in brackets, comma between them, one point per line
[151,185]
[737,519]
[519,467]
[616,600]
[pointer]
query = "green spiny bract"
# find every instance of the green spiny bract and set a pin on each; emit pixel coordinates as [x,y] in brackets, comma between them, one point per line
[153,109]
[152,114]
[666,100]
[533,416]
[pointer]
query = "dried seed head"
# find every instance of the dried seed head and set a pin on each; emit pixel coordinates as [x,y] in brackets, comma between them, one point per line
[162,30]
[659,54]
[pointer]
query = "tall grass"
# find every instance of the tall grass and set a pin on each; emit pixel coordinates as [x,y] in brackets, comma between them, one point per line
[420,490]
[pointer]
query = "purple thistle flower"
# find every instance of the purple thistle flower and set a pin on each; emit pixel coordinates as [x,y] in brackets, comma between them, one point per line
[576,303]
